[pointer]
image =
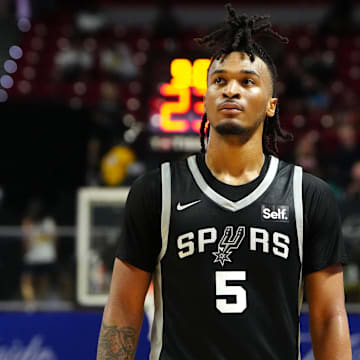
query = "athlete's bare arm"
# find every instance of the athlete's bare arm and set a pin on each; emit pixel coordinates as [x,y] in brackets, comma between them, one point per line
[123,312]
[328,320]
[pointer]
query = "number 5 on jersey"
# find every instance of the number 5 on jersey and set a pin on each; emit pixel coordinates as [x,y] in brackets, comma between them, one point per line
[223,288]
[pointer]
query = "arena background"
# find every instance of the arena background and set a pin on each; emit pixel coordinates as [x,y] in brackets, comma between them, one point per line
[87,105]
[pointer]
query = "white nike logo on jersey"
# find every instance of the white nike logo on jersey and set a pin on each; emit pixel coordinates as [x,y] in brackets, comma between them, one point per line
[180,207]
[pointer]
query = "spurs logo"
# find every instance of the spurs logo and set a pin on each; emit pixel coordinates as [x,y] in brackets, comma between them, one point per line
[228,243]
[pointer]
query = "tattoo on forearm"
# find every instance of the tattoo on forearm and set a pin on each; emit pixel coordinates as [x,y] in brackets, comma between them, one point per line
[116,343]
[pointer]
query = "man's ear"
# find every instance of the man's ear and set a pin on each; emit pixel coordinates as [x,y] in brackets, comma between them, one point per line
[271,107]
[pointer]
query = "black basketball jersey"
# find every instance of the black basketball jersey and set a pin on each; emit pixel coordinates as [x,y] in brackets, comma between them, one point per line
[228,283]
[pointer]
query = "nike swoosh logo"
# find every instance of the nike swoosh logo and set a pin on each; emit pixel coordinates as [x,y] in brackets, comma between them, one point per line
[180,207]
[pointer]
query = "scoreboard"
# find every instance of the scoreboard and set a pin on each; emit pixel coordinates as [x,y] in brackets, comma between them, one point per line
[179,103]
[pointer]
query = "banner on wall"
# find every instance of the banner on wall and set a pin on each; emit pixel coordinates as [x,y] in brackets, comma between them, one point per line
[55,336]
[74,335]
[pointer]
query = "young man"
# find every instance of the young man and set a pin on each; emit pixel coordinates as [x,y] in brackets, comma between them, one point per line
[232,234]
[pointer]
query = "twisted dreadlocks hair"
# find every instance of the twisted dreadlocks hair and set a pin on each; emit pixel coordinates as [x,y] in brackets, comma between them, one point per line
[237,34]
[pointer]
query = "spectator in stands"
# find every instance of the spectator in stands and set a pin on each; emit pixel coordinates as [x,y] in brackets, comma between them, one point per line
[92,176]
[40,253]
[321,65]
[306,153]
[353,189]
[117,62]
[346,154]
[107,129]
[73,62]
[350,212]
[90,22]
[115,164]
[293,75]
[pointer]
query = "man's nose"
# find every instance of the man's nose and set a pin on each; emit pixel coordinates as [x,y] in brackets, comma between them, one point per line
[232,90]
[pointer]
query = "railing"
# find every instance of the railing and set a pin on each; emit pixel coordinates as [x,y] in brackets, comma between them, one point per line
[60,299]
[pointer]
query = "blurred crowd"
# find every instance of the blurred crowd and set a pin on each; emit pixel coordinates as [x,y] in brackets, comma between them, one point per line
[105,67]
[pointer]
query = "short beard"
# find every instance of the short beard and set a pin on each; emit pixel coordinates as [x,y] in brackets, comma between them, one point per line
[230,129]
[236,132]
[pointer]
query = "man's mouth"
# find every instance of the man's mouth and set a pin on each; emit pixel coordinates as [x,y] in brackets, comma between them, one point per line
[231,108]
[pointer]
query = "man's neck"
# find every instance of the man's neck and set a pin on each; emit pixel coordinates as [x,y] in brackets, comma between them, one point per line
[233,162]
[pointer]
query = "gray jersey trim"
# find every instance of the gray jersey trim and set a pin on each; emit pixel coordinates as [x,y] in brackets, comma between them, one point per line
[224,202]
[166,206]
[157,327]
[299,218]
[298,202]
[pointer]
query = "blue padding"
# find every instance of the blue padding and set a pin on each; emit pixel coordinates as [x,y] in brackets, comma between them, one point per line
[74,335]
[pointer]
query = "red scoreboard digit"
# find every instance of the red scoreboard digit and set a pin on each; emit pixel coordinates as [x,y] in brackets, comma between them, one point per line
[188,81]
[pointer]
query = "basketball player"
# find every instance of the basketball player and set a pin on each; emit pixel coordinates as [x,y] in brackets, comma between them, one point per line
[230,235]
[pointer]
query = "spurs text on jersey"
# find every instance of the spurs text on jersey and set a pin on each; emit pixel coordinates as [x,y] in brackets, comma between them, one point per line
[232,237]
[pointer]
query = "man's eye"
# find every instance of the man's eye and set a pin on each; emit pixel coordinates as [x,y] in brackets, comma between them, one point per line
[248,81]
[219,80]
